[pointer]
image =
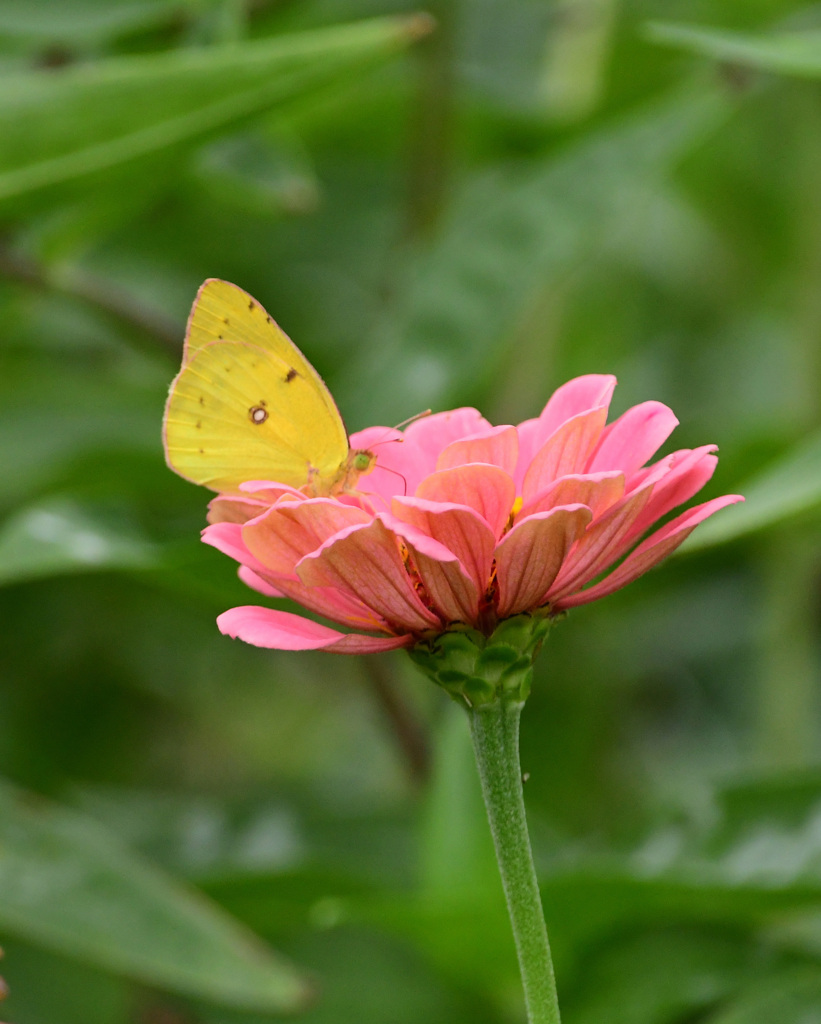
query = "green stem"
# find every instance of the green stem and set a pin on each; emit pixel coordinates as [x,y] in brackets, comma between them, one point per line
[495,731]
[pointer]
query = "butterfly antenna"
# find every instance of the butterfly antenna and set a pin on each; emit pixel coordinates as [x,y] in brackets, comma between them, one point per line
[386,469]
[412,419]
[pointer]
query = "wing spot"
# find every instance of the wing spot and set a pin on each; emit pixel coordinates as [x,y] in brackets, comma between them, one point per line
[202,451]
[202,400]
[258,414]
[199,424]
[251,304]
[289,376]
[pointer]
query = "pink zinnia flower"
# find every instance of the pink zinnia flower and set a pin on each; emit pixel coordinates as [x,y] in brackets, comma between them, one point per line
[465,523]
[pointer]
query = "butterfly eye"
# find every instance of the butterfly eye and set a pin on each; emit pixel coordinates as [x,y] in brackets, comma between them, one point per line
[257,414]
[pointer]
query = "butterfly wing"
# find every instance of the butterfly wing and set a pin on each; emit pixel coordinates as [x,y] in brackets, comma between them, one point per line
[240,412]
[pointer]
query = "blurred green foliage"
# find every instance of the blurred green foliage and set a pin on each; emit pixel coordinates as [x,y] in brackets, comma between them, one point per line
[192,830]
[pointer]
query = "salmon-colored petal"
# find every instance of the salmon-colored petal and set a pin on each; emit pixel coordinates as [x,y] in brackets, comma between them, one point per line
[284,631]
[634,438]
[459,528]
[650,552]
[231,509]
[596,490]
[331,603]
[488,490]
[451,591]
[566,451]
[529,557]
[426,437]
[498,446]
[365,561]
[579,395]
[602,543]
[290,530]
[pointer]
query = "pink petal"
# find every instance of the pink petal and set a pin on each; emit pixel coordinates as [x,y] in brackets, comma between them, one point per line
[284,631]
[651,551]
[688,472]
[270,491]
[602,543]
[451,591]
[227,538]
[426,437]
[258,583]
[284,534]
[596,490]
[488,490]
[365,561]
[529,557]
[459,528]
[498,446]
[336,605]
[634,438]
[566,451]
[592,391]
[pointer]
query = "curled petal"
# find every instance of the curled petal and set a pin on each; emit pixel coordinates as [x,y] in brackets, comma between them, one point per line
[289,531]
[530,556]
[498,446]
[596,490]
[602,543]
[365,561]
[651,551]
[688,472]
[567,450]
[285,631]
[488,490]
[231,509]
[451,591]
[458,528]
[634,438]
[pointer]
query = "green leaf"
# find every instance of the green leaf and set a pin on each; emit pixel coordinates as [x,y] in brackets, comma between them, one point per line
[512,235]
[60,126]
[82,21]
[789,53]
[791,487]
[67,885]
[59,536]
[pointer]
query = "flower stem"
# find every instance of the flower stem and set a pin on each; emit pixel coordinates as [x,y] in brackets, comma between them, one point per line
[495,731]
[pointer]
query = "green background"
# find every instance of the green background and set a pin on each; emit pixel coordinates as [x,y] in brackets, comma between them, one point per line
[193,831]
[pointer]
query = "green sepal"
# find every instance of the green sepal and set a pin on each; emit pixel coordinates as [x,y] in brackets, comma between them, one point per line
[476,669]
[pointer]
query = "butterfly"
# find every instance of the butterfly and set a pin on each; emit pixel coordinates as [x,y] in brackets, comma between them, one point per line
[247,405]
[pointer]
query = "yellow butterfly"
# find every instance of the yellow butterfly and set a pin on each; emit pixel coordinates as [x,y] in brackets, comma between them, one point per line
[247,405]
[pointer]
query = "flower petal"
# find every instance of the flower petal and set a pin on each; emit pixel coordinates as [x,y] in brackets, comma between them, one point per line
[426,437]
[387,477]
[529,557]
[284,534]
[602,543]
[650,552]
[227,538]
[596,490]
[498,446]
[488,490]
[230,509]
[459,528]
[450,589]
[634,438]
[258,583]
[592,391]
[364,561]
[688,472]
[284,631]
[567,450]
